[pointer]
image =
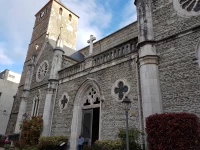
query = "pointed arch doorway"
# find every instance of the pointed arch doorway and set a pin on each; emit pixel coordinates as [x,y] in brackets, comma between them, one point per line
[86,113]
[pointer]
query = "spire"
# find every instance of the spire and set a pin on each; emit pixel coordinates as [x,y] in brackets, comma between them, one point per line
[59,42]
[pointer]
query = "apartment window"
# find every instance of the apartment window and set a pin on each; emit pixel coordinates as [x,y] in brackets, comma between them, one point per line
[0,94]
[11,76]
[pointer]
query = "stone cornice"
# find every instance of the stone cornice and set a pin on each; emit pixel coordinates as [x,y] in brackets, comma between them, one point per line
[149,59]
[152,42]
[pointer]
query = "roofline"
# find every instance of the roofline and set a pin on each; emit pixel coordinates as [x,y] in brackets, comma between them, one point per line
[135,2]
[58,3]
[111,34]
[71,58]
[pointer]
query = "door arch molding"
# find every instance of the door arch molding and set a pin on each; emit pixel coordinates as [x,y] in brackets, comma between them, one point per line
[77,110]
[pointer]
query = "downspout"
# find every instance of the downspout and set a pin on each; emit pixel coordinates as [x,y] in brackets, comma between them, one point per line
[54,103]
[139,99]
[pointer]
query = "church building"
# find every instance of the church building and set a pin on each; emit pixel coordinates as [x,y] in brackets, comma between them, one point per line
[155,62]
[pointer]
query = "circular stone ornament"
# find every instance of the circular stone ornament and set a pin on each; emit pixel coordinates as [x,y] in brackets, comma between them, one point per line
[187,8]
[42,71]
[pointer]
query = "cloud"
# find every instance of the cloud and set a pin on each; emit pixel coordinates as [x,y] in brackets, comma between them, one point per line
[17,19]
[129,14]
[4,59]
[94,18]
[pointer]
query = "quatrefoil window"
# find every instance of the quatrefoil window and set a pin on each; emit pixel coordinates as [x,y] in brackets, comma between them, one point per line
[120,89]
[42,71]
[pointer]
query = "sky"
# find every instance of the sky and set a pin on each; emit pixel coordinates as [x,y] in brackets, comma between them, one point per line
[97,17]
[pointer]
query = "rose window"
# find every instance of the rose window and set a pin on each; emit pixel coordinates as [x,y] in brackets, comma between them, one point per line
[190,5]
[187,8]
[42,71]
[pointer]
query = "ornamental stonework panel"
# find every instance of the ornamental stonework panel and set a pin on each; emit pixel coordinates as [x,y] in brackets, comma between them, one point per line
[120,89]
[63,102]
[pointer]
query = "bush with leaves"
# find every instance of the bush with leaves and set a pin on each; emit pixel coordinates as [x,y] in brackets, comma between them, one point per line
[6,146]
[134,137]
[174,131]
[121,143]
[51,142]
[31,130]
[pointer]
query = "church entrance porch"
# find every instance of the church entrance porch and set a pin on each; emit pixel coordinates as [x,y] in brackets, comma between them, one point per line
[86,114]
[90,125]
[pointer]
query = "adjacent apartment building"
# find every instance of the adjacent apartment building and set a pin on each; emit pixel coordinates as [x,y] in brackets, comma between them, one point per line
[9,82]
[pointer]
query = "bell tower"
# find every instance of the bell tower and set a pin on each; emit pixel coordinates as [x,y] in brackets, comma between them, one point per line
[49,21]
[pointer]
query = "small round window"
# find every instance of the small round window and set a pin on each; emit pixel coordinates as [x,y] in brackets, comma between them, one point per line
[42,71]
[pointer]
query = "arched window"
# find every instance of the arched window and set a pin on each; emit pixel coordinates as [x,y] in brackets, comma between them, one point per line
[60,11]
[70,17]
[35,107]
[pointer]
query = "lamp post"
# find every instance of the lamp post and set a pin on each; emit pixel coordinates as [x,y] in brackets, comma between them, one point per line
[127,106]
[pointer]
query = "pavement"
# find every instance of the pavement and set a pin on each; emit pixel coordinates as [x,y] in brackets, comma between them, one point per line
[2,148]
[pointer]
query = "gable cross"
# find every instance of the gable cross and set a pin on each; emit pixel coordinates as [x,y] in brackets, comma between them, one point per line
[121,89]
[64,102]
[92,38]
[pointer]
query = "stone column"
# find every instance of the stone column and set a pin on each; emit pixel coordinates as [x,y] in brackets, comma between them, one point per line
[148,59]
[48,108]
[22,110]
[25,93]
[52,89]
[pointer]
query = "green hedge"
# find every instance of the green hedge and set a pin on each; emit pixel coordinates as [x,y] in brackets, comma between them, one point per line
[121,143]
[51,142]
[108,145]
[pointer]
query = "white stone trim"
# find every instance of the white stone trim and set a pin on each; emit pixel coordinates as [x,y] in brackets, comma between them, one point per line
[115,96]
[182,12]
[60,100]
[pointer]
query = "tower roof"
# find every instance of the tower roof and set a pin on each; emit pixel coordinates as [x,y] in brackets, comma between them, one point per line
[58,1]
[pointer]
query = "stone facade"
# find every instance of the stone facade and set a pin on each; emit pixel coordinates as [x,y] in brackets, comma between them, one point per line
[155,59]
[9,82]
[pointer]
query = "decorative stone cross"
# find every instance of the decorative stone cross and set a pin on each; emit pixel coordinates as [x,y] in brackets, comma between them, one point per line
[64,102]
[121,89]
[92,38]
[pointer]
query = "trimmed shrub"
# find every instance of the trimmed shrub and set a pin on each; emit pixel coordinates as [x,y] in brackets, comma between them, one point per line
[51,142]
[108,145]
[133,138]
[178,131]
[31,130]
[121,143]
